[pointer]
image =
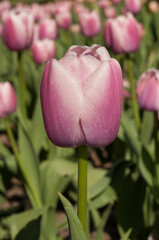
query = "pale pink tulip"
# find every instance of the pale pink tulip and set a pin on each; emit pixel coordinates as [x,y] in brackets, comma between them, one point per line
[122,34]
[110,12]
[116,1]
[18,30]
[153,6]
[90,23]
[43,50]
[47,29]
[81,97]
[8,101]
[64,20]
[133,6]
[147,90]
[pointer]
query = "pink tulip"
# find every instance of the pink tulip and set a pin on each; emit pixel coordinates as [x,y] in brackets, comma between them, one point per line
[43,50]
[8,101]
[64,20]
[18,30]
[4,6]
[110,12]
[81,97]
[147,90]
[47,29]
[90,23]
[133,6]
[116,1]
[104,3]
[122,34]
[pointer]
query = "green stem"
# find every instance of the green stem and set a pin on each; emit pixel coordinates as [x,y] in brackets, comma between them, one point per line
[15,151]
[156,136]
[133,95]
[82,187]
[22,85]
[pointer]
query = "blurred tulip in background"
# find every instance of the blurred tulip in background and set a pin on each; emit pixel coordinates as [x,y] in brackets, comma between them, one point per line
[133,6]
[147,90]
[122,34]
[64,19]
[47,29]
[43,50]
[18,30]
[90,23]
[8,102]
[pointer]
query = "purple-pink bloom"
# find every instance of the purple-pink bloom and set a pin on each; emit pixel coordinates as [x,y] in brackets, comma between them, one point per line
[64,19]
[18,30]
[47,29]
[147,90]
[8,101]
[90,23]
[122,34]
[81,97]
[43,50]
[133,6]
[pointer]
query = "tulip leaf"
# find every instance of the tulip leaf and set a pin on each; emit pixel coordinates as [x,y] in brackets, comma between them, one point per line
[75,227]
[107,197]
[131,136]
[147,124]
[146,166]
[25,225]
[37,131]
[30,167]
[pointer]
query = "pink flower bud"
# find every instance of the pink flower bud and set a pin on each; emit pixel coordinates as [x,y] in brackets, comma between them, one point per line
[8,101]
[90,23]
[81,97]
[47,29]
[43,50]
[64,20]
[18,30]
[147,90]
[122,34]
[133,6]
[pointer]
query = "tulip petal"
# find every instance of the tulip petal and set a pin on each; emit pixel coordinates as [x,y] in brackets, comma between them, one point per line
[59,87]
[100,117]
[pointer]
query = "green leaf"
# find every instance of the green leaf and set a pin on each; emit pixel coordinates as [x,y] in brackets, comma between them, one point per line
[107,197]
[146,166]
[99,187]
[75,227]
[30,167]
[148,124]
[131,136]
[37,131]
[103,222]
[22,224]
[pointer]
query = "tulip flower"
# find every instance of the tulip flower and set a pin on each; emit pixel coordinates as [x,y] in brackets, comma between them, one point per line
[122,34]
[110,12]
[47,29]
[18,30]
[133,6]
[147,90]
[43,50]
[90,23]
[64,19]
[8,101]
[81,97]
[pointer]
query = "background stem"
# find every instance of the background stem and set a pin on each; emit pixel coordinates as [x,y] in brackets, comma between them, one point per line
[22,85]
[82,187]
